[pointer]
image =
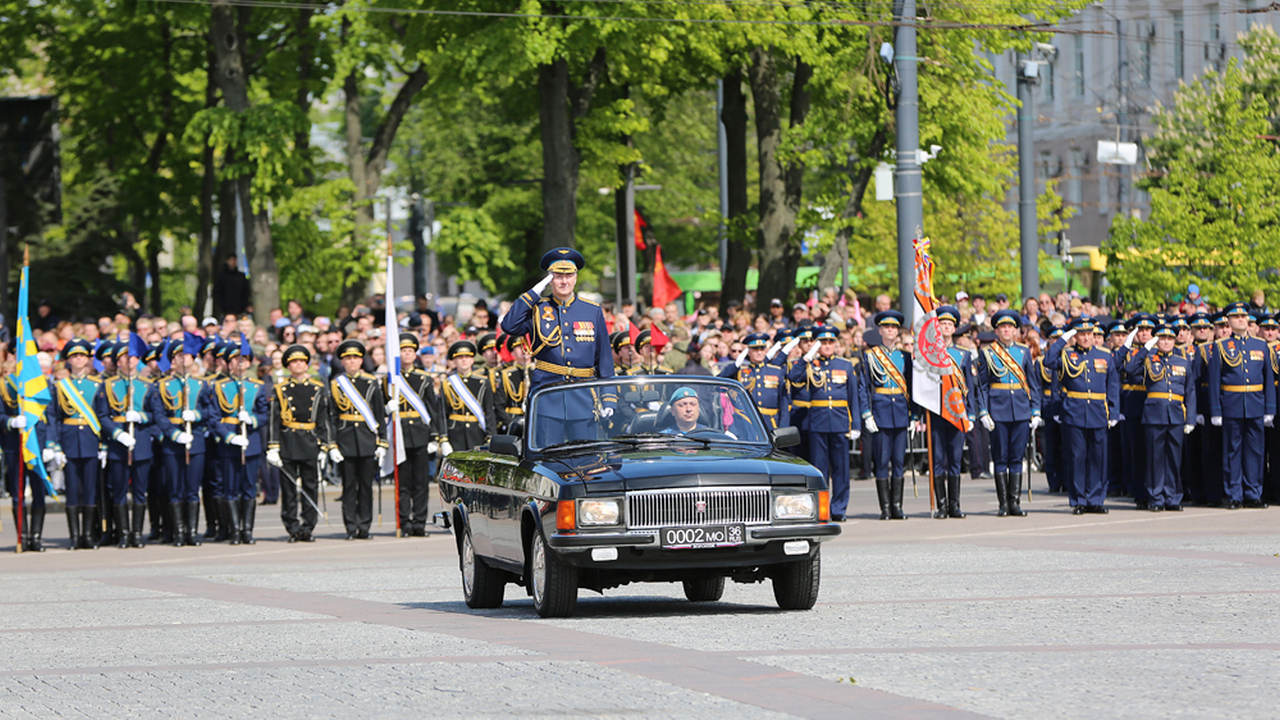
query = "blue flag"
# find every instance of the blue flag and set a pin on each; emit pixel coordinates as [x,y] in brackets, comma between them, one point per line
[33,389]
[163,362]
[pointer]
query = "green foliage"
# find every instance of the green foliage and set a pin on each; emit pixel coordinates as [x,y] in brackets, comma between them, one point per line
[313,232]
[472,245]
[258,142]
[1214,216]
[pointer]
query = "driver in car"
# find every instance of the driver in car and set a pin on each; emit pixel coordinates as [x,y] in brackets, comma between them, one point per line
[685,409]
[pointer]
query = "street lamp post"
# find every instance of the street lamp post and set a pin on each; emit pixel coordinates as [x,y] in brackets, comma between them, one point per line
[1029,72]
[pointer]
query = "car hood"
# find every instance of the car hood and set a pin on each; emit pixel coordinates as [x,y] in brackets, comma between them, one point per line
[649,468]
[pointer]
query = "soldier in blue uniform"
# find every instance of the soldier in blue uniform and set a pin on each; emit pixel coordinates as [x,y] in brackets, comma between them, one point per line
[1089,383]
[1203,447]
[948,440]
[157,493]
[104,530]
[885,394]
[765,383]
[1008,406]
[570,340]
[127,407]
[73,437]
[1050,411]
[1269,326]
[1132,398]
[1168,414]
[235,407]
[1242,402]
[801,339]
[830,384]
[212,484]
[14,423]
[182,451]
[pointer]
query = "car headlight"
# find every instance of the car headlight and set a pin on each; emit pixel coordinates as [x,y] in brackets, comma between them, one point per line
[795,506]
[599,512]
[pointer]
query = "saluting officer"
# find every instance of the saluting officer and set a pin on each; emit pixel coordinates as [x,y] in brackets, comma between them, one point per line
[298,438]
[183,450]
[886,410]
[236,407]
[73,434]
[948,440]
[468,404]
[1168,414]
[1008,407]
[357,416]
[1132,398]
[829,382]
[422,422]
[1241,402]
[1090,387]
[765,383]
[791,356]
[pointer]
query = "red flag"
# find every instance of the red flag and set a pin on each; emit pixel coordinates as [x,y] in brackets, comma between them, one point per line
[665,288]
[634,331]
[640,226]
[657,338]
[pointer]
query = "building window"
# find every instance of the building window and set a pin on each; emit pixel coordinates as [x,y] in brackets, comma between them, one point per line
[1048,81]
[1075,180]
[1077,67]
[1179,46]
[1214,50]
[1144,53]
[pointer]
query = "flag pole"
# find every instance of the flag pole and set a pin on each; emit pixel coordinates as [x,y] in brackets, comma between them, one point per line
[395,388]
[928,429]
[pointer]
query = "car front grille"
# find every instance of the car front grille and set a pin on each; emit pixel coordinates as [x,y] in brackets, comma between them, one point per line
[648,509]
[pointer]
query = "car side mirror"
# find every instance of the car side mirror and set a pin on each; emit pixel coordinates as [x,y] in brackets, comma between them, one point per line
[517,428]
[784,437]
[510,445]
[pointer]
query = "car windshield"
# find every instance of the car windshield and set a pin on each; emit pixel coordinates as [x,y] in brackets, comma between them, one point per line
[654,409]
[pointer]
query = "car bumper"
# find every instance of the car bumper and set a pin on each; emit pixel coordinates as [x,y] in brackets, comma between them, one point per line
[641,551]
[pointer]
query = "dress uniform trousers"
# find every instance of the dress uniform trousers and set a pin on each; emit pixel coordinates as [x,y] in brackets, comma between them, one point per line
[1009,445]
[829,453]
[1164,459]
[1242,458]
[357,493]
[306,472]
[81,478]
[125,479]
[890,446]
[1084,453]
[415,477]
[182,478]
[948,446]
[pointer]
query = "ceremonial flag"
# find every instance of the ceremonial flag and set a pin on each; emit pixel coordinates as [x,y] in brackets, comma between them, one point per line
[657,338]
[391,334]
[33,390]
[937,385]
[640,226]
[665,288]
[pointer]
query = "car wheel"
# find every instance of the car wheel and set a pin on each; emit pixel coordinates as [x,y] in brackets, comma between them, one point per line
[482,586]
[704,589]
[795,584]
[553,582]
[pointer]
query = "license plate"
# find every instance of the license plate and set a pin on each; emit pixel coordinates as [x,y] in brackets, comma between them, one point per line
[707,536]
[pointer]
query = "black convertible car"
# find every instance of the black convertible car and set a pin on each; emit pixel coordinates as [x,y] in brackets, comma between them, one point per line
[637,479]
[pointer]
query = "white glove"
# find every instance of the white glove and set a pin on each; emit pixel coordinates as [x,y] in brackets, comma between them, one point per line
[47,455]
[335,455]
[59,460]
[273,458]
[1066,336]
[1128,339]
[870,425]
[239,441]
[433,447]
[988,423]
[133,416]
[742,358]
[606,412]
[190,416]
[542,284]
[379,454]
[1216,421]
[1112,423]
[322,460]
[1055,419]
[18,422]
[1199,419]
[773,350]
[813,353]
[655,406]
[1186,429]
[446,449]
[245,417]
[1268,420]
[1036,422]
[1122,417]
[183,438]
[127,440]
[1149,344]
[102,458]
[791,345]
[854,435]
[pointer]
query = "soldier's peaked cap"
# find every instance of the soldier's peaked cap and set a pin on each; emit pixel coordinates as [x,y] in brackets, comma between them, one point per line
[562,260]
[296,352]
[350,348]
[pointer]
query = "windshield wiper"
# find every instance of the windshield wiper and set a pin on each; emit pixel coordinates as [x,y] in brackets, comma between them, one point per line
[576,444]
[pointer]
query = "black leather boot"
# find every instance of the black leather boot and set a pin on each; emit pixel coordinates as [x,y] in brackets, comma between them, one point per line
[73,527]
[90,527]
[939,496]
[882,492]
[136,538]
[248,509]
[178,523]
[212,514]
[225,528]
[193,519]
[34,543]
[232,519]
[1002,493]
[121,513]
[157,522]
[895,499]
[953,496]
[1015,495]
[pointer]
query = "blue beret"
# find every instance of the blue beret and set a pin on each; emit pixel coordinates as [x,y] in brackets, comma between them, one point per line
[562,260]
[682,393]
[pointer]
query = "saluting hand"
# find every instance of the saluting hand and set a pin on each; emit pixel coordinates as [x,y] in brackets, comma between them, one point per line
[542,284]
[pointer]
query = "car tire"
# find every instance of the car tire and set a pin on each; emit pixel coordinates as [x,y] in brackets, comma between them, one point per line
[482,586]
[795,584]
[704,589]
[552,582]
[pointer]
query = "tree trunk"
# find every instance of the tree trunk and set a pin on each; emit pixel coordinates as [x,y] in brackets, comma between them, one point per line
[155,303]
[352,292]
[306,50]
[560,159]
[208,188]
[264,275]
[838,259]
[734,117]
